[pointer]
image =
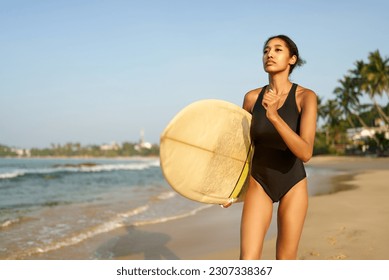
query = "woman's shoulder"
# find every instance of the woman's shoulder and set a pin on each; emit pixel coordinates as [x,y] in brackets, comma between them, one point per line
[250,98]
[253,92]
[305,96]
[305,92]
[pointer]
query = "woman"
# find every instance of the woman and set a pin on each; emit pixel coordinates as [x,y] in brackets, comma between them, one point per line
[283,132]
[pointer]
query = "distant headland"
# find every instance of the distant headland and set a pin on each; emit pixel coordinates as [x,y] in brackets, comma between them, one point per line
[125,149]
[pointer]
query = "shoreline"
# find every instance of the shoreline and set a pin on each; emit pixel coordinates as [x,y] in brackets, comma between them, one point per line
[348,223]
[86,157]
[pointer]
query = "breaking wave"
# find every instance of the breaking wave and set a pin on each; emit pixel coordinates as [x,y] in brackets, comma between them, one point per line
[78,168]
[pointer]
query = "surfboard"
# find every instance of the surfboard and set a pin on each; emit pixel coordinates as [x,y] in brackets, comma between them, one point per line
[205,152]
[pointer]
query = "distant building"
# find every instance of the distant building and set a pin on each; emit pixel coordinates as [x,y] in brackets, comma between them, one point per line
[110,147]
[361,133]
[21,152]
[142,144]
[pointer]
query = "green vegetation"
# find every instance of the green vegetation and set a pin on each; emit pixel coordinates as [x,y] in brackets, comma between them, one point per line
[6,151]
[77,150]
[345,111]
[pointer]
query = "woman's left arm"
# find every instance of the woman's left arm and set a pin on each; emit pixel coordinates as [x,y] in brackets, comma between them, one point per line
[300,145]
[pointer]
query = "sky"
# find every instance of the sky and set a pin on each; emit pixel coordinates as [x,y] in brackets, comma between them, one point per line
[95,72]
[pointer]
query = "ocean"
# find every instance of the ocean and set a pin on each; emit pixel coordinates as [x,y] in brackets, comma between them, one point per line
[49,204]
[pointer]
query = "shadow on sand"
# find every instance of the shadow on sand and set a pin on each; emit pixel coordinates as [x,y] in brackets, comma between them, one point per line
[137,244]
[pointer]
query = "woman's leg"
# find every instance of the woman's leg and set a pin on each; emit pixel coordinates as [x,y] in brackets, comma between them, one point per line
[256,218]
[291,215]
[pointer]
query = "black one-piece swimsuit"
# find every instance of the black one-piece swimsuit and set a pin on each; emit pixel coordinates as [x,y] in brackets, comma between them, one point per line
[274,166]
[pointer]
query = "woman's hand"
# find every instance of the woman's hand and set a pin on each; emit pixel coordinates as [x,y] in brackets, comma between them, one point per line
[270,103]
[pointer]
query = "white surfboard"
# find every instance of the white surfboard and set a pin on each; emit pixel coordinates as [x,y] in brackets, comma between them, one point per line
[205,152]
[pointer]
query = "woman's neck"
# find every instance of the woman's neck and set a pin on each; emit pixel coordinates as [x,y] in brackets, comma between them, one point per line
[279,84]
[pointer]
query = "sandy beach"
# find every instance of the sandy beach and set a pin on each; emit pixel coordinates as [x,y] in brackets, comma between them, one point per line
[349,222]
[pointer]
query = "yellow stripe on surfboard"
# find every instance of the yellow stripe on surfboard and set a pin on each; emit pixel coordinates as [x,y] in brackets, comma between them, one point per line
[242,178]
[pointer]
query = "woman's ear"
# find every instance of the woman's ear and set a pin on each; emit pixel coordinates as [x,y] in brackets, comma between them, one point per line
[293,60]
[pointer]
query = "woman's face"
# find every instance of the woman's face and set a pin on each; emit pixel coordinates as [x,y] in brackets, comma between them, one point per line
[276,56]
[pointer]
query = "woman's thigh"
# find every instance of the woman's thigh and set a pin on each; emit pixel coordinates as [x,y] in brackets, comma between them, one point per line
[256,218]
[292,210]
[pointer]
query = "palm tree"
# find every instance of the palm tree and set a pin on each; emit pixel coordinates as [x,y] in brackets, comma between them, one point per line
[348,98]
[375,76]
[320,109]
[332,114]
[380,71]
